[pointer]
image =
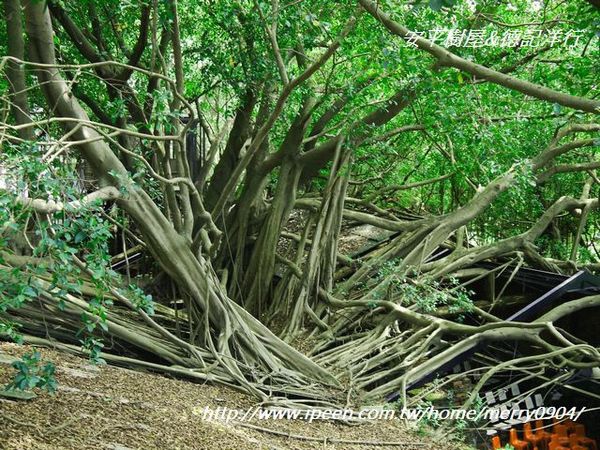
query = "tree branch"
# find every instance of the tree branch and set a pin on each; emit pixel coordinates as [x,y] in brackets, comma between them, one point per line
[51,206]
[449,59]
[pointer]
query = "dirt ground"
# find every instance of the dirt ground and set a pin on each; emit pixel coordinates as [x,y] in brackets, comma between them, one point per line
[106,407]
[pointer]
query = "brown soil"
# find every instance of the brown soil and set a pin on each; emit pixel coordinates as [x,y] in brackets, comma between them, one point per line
[114,408]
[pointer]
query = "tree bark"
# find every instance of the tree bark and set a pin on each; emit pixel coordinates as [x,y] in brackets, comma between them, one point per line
[14,70]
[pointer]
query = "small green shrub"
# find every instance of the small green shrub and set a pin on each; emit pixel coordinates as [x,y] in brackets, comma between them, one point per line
[33,372]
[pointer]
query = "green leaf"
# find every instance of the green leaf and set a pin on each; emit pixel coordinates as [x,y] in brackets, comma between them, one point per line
[436,5]
[556,108]
[29,291]
[80,236]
